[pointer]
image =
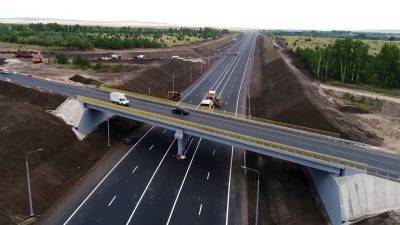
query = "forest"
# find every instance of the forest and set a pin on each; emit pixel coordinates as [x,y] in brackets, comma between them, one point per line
[87,37]
[347,60]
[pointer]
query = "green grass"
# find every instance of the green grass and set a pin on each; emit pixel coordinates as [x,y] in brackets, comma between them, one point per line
[217,43]
[368,104]
[173,41]
[6,45]
[312,42]
[366,87]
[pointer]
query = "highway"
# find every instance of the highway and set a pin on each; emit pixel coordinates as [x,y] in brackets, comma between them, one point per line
[376,161]
[176,191]
[149,186]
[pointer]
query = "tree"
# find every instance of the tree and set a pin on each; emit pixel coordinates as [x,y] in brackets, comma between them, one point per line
[389,65]
[81,61]
[61,58]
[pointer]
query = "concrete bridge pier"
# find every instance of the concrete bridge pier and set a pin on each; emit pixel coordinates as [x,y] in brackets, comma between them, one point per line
[183,140]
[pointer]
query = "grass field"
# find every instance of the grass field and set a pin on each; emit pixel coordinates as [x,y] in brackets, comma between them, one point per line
[12,46]
[366,87]
[311,42]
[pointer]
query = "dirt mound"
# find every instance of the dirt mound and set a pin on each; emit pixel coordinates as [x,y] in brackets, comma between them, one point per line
[347,124]
[159,79]
[26,126]
[353,109]
[386,218]
[280,97]
[84,80]
[44,100]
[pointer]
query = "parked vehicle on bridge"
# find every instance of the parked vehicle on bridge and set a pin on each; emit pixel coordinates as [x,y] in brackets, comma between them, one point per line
[119,98]
[180,111]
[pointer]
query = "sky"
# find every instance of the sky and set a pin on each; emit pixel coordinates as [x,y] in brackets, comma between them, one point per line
[259,14]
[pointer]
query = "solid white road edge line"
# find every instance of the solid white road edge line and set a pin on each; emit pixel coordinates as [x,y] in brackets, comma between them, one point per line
[105,177]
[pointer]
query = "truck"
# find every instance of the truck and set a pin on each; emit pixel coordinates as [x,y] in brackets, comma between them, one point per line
[174,95]
[36,57]
[119,98]
[23,53]
[211,100]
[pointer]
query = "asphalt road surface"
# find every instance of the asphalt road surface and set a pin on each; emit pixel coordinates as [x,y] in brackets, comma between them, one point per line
[166,192]
[149,186]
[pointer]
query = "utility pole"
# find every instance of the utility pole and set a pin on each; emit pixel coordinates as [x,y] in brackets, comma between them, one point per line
[258,190]
[149,89]
[31,214]
[173,82]
[190,73]
[214,55]
[108,133]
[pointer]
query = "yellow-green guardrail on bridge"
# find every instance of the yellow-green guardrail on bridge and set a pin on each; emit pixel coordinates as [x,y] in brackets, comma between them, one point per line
[211,130]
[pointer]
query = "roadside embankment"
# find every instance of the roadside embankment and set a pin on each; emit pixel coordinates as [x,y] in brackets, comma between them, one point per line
[287,195]
[25,126]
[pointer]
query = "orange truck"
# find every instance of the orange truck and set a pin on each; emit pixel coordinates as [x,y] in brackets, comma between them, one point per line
[36,57]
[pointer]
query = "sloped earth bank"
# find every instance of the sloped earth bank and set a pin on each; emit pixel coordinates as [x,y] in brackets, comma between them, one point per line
[287,195]
[386,218]
[25,126]
[157,81]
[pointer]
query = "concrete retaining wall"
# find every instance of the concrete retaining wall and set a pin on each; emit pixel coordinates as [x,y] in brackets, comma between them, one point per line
[355,195]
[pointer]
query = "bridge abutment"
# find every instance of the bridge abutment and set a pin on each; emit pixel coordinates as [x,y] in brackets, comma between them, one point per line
[91,119]
[355,194]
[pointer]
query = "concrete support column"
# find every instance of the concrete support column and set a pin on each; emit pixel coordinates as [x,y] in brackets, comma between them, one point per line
[182,143]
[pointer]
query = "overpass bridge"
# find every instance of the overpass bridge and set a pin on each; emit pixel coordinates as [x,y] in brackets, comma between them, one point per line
[314,150]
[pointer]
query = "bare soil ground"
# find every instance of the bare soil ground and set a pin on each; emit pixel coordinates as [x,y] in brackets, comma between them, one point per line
[159,79]
[376,112]
[25,126]
[287,195]
[386,218]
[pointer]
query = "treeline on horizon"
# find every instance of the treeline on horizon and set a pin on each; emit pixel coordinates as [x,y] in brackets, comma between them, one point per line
[347,60]
[87,37]
[339,34]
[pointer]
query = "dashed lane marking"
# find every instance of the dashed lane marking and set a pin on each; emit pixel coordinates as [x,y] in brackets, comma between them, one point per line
[112,200]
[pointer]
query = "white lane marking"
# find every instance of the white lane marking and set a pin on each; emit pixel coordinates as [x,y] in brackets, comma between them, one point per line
[112,200]
[165,130]
[229,189]
[151,147]
[201,206]
[213,152]
[105,177]
[183,182]
[244,75]
[133,171]
[226,103]
[208,175]
[148,184]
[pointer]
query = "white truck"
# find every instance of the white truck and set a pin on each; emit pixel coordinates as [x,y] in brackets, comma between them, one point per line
[119,98]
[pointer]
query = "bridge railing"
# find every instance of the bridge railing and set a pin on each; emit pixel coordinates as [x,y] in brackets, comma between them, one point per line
[218,112]
[219,132]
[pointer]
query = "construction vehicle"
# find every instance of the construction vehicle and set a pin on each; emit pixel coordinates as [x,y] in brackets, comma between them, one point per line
[174,95]
[36,57]
[212,101]
[23,53]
